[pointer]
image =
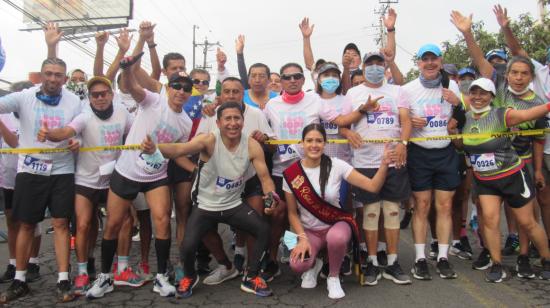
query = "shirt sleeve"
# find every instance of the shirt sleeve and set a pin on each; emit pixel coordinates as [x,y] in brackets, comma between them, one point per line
[79,122]
[150,99]
[344,169]
[10,103]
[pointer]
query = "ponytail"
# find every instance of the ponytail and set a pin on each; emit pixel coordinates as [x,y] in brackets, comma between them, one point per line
[324,174]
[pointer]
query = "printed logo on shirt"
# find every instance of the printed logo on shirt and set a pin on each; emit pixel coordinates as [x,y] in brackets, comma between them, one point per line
[110,134]
[293,123]
[54,118]
[165,133]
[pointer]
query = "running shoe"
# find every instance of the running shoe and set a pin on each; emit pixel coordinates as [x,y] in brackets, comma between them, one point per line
[8,275]
[102,285]
[163,287]
[511,245]
[238,262]
[445,269]
[345,268]
[257,286]
[523,267]
[533,251]
[466,245]
[334,288]
[460,252]
[16,290]
[434,251]
[495,274]
[136,238]
[186,285]
[81,284]
[144,272]
[406,220]
[420,270]
[128,278]
[33,272]
[483,261]
[220,274]
[64,291]
[545,272]
[271,271]
[179,273]
[382,258]
[371,275]
[309,278]
[395,273]
[363,256]
[50,230]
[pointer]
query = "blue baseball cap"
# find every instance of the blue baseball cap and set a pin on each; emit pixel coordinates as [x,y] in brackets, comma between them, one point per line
[465,71]
[429,48]
[496,53]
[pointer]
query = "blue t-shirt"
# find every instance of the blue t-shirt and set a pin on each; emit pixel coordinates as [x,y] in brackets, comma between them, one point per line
[247,100]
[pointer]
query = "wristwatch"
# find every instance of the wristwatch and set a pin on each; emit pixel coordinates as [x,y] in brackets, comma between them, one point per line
[404,142]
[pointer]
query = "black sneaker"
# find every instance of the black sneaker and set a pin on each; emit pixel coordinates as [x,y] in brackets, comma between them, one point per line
[523,267]
[238,261]
[64,291]
[50,230]
[458,251]
[92,273]
[434,250]
[345,268]
[445,270]
[395,273]
[371,275]
[533,252]
[382,258]
[545,272]
[271,271]
[511,245]
[495,274]
[16,290]
[257,286]
[33,272]
[466,245]
[483,261]
[363,256]
[9,274]
[420,270]
[406,220]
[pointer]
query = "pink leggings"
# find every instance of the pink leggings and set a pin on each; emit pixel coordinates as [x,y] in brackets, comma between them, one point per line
[336,240]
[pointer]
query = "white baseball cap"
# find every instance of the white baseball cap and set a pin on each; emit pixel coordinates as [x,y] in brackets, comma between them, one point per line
[485,84]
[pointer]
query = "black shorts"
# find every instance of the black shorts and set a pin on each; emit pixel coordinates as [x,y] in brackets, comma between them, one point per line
[396,187]
[516,189]
[253,187]
[8,198]
[34,193]
[96,196]
[128,189]
[433,168]
[177,174]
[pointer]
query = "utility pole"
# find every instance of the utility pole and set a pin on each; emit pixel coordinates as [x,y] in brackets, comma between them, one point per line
[195,27]
[384,6]
[205,45]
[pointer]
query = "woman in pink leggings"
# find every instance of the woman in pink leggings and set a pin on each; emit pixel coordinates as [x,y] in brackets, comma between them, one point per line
[322,176]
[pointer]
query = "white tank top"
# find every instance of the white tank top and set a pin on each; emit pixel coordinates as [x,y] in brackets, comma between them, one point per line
[221,180]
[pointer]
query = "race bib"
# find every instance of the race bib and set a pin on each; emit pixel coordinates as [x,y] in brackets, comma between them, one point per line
[483,162]
[436,123]
[37,166]
[151,163]
[224,185]
[287,152]
[381,120]
[330,128]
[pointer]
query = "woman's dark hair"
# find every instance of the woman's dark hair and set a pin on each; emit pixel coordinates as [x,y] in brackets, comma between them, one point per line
[318,64]
[229,105]
[291,64]
[318,87]
[326,162]
[356,73]
[521,59]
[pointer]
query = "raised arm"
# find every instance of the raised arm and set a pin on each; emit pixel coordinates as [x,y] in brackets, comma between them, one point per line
[124,39]
[307,30]
[243,73]
[390,50]
[515,117]
[129,68]
[101,38]
[146,29]
[53,35]
[346,75]
[509,37]
[156,70]
[464,25]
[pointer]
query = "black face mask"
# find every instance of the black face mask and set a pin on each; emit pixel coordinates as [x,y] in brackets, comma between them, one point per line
[103,114]
[500,68]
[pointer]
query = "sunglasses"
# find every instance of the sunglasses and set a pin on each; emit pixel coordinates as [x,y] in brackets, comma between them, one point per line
[295,76]
[178,86]
[99,94]
[201,82]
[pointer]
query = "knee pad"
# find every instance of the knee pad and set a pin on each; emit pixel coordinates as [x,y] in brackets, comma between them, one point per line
[391,215]
[371,214]
[38,229]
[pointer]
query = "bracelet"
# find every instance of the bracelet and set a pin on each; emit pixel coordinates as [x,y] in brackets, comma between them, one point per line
[152,46]
[391,30]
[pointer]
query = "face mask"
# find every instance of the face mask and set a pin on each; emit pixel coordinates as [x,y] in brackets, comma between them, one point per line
[103,114]
[431,84]
[464,86]
[78,88]
[481,110]
[292,98]
[500,68]
[290,239]
[48,99]
[330,84]
[518,93]
[375,73]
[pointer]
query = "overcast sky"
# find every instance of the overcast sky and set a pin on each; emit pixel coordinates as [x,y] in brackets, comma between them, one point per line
[270,27]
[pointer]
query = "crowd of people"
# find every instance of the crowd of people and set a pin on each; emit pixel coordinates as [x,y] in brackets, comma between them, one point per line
[256,155]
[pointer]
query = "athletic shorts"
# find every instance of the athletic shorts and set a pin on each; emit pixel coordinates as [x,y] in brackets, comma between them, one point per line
[253,187]
[128,189]
[433,168]
[177,174]
[8,198]
[396,187]
[96,196]
[516,189]
[139,203]
[34,193]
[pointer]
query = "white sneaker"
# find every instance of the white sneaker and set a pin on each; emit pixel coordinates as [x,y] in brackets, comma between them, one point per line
[334,288]
[136,237]
[102,285]
[220,274]
[309,278]
[163,287]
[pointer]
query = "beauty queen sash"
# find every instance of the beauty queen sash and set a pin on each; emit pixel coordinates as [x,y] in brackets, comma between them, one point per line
[309,199]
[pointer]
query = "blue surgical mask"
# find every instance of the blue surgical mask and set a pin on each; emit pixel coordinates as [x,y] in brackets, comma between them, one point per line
[375,73]
[330,84]
[290,239]
[48,99]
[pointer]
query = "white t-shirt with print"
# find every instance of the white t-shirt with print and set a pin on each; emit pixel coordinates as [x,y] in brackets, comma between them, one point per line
[8,162]
[32,114]
[155,118]
[429,104]
[339,172]
[329,110]
[384,123]
[92,168]
[288,121]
